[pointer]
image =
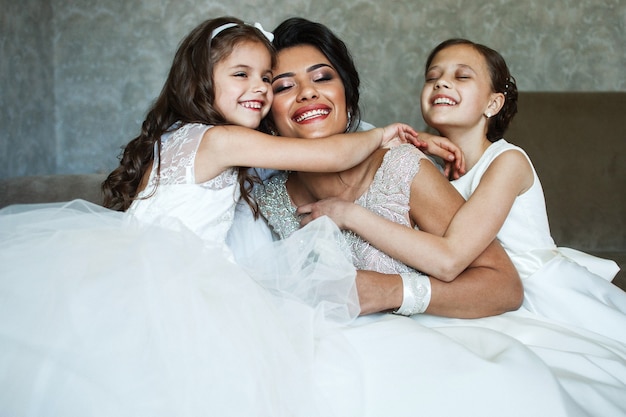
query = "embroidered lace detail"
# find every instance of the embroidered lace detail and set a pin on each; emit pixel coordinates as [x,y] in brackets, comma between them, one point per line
[178,152]
[223,180]
[387,196]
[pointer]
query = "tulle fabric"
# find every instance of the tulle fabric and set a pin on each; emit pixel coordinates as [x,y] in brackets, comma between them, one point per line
[316,253]
[101,315]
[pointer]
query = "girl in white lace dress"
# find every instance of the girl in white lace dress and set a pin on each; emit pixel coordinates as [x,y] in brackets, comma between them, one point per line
[144,312]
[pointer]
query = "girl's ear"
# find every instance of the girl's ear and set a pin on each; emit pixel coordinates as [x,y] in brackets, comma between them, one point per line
[496,103]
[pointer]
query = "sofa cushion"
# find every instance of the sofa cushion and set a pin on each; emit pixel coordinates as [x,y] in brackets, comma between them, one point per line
[51,188]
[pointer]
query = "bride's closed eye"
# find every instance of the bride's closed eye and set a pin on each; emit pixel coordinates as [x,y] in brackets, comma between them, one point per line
[281,86]
[324,76]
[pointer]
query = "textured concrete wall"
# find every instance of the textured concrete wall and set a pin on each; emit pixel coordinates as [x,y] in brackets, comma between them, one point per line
[27,122]
[77,76]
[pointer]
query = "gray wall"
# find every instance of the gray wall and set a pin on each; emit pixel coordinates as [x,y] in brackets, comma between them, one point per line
[77,76]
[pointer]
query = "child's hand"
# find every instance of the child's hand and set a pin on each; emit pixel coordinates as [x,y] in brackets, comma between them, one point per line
[335,208]
[454,160]
[398,133]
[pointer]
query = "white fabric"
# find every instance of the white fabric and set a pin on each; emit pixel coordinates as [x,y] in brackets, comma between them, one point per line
[144,313]
[525,234]
[558,282]
[544,359]
[111,314]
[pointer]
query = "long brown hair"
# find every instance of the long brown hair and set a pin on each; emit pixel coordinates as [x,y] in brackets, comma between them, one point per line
[188,97]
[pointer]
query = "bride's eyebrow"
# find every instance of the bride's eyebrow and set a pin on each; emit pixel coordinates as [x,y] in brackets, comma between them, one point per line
[283,75]
[316,66]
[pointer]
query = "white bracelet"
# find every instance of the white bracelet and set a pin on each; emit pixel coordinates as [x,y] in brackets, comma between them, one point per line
[416,294]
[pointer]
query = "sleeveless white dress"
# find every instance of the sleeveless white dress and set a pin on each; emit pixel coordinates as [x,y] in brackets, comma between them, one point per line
[144,313]
[517,364]
[564,284]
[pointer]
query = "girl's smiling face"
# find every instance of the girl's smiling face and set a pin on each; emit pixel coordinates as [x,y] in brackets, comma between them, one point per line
[309,96]
[243,93]
[457,90]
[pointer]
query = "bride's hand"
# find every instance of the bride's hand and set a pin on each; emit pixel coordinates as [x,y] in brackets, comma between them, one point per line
[335,208]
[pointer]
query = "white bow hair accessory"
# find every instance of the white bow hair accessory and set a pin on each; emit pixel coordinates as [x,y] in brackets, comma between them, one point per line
[267,34]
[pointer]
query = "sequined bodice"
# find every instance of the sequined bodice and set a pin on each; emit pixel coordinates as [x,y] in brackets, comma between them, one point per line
[174,198]
[388,196]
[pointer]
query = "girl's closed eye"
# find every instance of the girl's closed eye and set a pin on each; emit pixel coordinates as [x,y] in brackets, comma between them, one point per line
[464,72]
[267,76]
[432,76]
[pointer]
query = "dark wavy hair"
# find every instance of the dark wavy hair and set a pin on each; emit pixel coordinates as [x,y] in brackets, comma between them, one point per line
[187,96]
[501,82]
[297,31]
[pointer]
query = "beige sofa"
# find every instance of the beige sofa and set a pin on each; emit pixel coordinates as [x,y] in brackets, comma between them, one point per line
[577,142]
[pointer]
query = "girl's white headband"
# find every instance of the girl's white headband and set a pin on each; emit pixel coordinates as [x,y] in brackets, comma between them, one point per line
[218,30]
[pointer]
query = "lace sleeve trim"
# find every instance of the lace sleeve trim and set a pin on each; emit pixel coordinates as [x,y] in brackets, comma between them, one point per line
[178,153]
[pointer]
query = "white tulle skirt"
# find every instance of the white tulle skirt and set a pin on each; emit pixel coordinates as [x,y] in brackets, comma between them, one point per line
[101,315]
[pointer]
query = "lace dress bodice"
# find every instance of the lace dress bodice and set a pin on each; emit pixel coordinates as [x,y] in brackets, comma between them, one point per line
[388,196]
[173,198]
